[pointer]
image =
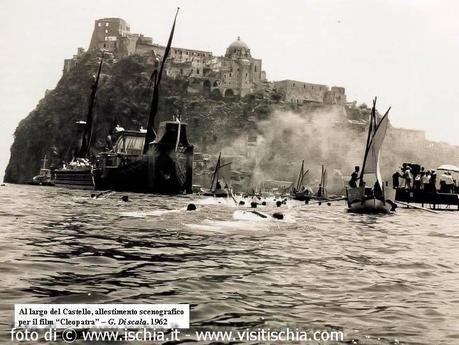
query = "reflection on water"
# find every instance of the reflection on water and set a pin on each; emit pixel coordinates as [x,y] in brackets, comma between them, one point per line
[380,279]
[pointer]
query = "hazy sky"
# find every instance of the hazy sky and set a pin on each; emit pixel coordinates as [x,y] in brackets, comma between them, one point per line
[405,52]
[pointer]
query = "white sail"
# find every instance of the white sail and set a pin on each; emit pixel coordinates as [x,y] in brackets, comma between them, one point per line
[371,163]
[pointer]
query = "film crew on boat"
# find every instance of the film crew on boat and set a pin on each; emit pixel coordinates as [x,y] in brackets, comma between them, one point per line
[425,180]
[426,189]
[408,177]
[447,182]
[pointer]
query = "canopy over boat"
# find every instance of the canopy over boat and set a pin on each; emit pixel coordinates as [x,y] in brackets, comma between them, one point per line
[448,167]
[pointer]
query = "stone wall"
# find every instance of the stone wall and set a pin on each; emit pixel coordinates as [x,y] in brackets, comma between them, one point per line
[299,92]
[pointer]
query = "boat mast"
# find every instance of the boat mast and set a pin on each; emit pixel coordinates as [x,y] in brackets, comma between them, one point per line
[156,79]
[44,162]
[87,135]
[323,180]
[300,176]
[214,175]
[369,137]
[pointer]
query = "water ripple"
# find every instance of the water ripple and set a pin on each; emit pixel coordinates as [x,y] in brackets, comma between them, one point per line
[379,279]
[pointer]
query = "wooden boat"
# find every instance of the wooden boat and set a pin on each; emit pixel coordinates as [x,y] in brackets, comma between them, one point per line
[429,194]
[78,172]
[44,178]
[156,161]
[322,193]
[375,198]
[220,186]
[166,168]
[300,191]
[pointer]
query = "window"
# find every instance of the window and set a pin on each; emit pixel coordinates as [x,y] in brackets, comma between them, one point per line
[107,24]
[99,24]
[106,31]
[255,68]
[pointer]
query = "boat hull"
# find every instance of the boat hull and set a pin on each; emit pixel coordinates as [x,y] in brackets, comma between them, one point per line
[301,196]
[359,201]
[76,179]
[427,197]
[166,167]
[372,205]
[155,172]
[217,194]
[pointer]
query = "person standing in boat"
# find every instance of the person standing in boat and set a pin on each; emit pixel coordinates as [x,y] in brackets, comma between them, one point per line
[433,181]
[408,178]
[396,179]
[426,181]
[417,181]
[354,177]
[446,182]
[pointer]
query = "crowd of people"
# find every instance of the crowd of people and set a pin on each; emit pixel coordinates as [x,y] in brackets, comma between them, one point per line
[415,177]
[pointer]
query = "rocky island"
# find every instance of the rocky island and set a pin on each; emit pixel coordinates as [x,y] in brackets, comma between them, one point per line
[228,102]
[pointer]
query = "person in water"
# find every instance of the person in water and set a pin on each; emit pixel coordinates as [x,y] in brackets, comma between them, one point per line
[354,177]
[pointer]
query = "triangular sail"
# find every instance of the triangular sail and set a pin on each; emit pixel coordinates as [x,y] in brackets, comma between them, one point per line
[221,177]
[214,181]
[300,176]
[371,163]
[371,131]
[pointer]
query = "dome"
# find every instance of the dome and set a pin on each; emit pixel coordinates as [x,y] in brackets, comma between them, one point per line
[238,49]
[238,44]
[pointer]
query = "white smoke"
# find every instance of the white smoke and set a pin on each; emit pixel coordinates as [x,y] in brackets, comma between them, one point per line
[287,138]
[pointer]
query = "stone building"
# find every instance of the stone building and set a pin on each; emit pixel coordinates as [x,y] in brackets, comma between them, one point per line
[299,92]
[113,35]
[405,135]
[238,73]
[70,63]
[235,73]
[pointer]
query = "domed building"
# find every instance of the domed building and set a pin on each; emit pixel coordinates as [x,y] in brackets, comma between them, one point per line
[238,72]
[235,73]
[238,49]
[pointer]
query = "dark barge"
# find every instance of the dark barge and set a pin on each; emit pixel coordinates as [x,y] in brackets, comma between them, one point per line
[427,198]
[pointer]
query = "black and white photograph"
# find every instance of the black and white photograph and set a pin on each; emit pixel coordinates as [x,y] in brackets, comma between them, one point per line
[229,172]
